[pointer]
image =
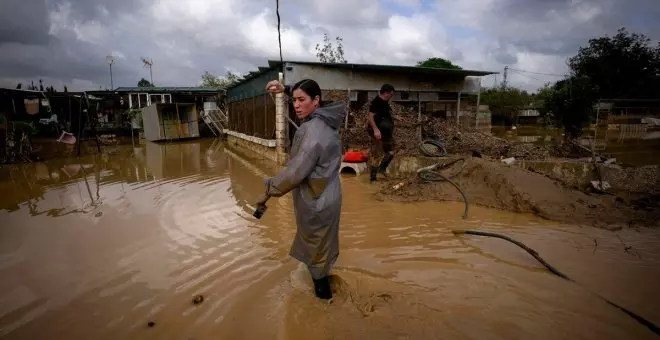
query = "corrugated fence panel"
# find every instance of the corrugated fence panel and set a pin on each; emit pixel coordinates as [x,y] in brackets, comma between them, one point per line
[253,116]
[269,122]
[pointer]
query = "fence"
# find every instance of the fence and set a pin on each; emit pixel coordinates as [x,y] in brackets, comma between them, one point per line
[253,116]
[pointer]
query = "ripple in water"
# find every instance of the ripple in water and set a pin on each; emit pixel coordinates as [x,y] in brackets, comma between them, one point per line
[99,251]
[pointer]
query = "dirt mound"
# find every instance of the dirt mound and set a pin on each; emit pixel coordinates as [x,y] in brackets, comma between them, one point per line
[495,185]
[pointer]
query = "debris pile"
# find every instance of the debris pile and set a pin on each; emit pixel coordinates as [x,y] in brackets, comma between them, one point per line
[456,140]
[460,141]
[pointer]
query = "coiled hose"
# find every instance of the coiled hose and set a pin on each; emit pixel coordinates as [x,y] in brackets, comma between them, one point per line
[431,174]
[432,148]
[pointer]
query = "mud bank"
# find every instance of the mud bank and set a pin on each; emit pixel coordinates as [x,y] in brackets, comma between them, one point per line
[492,184]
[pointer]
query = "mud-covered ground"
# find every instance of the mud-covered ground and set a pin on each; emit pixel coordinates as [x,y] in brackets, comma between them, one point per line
[492,184]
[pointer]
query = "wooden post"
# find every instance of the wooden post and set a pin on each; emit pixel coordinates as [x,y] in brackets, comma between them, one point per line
[458,109]
[348,109]
[419,116]
[79,126]
[178,120]
[478,103]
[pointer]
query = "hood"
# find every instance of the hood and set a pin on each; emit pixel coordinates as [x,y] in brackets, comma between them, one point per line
[332,114]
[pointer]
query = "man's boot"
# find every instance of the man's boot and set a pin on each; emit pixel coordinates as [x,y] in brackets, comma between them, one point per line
[374,172]
[382,168]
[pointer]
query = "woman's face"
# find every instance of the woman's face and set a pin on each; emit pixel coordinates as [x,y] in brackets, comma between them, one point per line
[303,104]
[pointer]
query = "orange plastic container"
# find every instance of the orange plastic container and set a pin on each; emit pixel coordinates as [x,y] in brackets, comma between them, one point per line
[355,157]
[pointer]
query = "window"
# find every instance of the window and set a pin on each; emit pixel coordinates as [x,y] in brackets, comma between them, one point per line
[156,98]
[134,101]
[143,98]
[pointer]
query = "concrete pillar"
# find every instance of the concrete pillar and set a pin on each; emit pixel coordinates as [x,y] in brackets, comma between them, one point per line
[458,109]
[281,136]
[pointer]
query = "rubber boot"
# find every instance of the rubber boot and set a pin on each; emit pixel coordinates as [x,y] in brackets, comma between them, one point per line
[385,163]
[374,172]
[322,288]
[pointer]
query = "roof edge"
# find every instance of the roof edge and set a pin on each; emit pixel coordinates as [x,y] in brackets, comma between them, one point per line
[274,63]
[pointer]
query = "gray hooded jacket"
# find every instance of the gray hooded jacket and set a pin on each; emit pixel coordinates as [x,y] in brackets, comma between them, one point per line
[312,176]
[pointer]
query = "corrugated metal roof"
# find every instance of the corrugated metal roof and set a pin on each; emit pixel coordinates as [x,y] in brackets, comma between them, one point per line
[391,68]
[168,89]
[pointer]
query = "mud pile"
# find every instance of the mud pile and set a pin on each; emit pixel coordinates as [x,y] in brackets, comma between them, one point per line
[407,134]
[495,185]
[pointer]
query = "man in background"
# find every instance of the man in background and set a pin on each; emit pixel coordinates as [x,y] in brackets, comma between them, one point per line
[381,129]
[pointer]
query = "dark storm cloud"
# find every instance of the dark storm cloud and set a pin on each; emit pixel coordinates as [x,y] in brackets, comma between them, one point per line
[337,13]
[88,30]
[504,57]
[92,9]
[560,27]
[24,22]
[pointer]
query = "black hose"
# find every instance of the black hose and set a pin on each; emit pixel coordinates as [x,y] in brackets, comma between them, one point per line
[432,175]
[432,148]
[650,325]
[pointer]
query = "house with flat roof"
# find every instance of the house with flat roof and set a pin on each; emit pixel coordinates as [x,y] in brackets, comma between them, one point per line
[252,111]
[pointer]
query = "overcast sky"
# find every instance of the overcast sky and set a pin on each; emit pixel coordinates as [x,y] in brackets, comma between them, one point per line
[65,42]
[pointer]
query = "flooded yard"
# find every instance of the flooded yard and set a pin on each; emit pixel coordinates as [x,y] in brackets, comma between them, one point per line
[631,144]
[98,247]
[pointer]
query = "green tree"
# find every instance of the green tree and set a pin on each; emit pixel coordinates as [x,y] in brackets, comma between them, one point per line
[568,103]
[327,53]
[437,62]
[144,83]
[506,102]
[623,66]
[210,80]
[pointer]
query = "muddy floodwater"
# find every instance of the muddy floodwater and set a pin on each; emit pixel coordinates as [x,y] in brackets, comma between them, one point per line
[100,246]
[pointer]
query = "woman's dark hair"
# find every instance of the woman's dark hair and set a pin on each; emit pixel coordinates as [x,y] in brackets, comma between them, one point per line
[308,86]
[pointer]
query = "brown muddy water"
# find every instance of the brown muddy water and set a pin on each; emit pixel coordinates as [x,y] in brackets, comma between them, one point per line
[633,144]
[98,247]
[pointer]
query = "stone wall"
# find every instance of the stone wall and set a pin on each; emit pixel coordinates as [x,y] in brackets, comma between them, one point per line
[258,150]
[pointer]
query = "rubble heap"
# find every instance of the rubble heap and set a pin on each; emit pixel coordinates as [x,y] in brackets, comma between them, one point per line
[407,139]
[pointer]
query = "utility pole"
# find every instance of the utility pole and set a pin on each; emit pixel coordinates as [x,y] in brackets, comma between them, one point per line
[149,63]
[110,60]
[506,69]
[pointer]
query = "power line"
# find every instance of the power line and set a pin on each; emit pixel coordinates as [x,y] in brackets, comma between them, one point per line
[279,34]
[526,75]
[539,73]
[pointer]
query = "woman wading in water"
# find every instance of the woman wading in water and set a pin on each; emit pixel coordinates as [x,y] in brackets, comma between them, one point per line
[312,176]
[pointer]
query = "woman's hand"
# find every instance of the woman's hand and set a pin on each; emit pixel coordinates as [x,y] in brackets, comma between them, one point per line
[274,86]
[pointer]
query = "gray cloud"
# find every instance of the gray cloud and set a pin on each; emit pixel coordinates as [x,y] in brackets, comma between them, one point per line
[67,41]
[24,22]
